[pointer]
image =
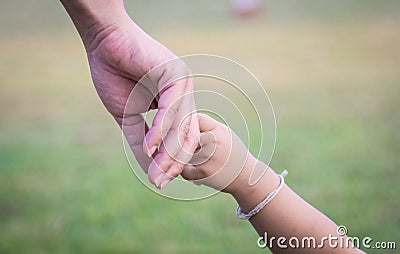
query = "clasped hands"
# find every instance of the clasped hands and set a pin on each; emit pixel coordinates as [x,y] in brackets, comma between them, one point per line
[130,76]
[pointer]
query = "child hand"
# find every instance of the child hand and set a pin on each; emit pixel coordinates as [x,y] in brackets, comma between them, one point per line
[221,161]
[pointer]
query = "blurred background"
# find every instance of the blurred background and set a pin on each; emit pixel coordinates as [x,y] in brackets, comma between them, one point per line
[331,69]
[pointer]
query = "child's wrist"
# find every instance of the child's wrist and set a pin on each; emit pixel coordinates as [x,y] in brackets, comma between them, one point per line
[249,195]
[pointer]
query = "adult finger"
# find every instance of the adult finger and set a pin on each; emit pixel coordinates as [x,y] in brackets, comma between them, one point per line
[189,129]
[182,139]
[166,164]
[156,170]
[134,128]
[168,107]
[169,79]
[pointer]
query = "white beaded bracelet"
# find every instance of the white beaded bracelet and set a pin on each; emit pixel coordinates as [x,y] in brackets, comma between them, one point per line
[246,216]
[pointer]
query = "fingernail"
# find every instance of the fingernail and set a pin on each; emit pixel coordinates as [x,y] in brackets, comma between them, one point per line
[151,151]
[163,184]
[158,180]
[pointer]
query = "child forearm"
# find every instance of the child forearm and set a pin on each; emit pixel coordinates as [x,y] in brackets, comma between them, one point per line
[289,217]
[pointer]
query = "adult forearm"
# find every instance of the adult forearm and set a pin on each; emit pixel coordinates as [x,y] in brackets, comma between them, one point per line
[95,19]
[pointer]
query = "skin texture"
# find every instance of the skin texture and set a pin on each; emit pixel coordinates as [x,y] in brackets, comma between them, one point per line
[287,215]
[120,54]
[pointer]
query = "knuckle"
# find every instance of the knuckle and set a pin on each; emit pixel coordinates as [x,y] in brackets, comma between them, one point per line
[192,142]
[170,112]
[175,170]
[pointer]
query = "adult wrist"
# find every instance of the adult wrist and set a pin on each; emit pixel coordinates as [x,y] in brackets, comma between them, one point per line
[95,19]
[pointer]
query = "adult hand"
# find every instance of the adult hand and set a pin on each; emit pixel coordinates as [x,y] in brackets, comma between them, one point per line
[119,55]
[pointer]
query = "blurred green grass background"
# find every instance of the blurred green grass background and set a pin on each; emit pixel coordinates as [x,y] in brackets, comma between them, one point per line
[331,69]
